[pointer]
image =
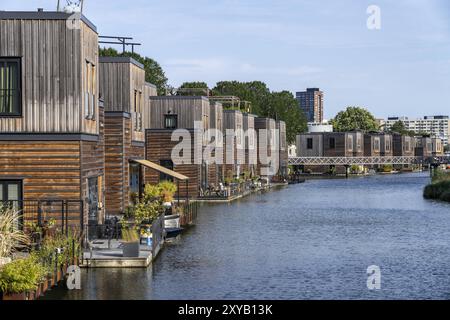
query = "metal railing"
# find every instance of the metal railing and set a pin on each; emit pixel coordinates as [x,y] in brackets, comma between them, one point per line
[63,215]
[188,214]
[321,161]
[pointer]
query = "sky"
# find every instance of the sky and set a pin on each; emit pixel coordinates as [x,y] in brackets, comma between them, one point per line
[402,69]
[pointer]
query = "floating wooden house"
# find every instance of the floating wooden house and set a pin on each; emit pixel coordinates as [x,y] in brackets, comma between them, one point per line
[343,144]
[51,120]
[233,125]
[438,147]
[424,147]
[265,128]
[188,116]
[125,94]
[216,140]
[251,143]
[281,127]
[403,145]
[372,144]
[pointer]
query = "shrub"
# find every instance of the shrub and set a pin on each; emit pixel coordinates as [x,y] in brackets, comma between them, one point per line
[11,238]
[445,196]
[436,190]
[168,190]
[21,275]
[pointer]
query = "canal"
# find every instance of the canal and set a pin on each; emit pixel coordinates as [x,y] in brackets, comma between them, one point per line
[308,241]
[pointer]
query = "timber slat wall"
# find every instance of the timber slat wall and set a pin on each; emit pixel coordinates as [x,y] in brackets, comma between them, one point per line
[251,156]
[53,74]
[281,126]
[233,120]
[269,125]
[159,147]
[188,109]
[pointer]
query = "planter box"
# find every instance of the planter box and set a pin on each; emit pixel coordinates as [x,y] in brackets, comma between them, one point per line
[15,297]
[131,249]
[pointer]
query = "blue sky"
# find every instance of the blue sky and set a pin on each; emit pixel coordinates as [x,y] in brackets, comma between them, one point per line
[402,69]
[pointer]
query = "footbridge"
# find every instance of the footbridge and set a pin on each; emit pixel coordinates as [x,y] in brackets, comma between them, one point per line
[361,161]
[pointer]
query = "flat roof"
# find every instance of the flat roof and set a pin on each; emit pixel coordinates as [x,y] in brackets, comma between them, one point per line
[43,15]
[120,60]
[180,98]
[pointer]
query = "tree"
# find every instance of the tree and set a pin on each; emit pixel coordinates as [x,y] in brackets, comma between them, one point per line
[153,71]
[256,92]
[399,127]
[354,118]
[283,106]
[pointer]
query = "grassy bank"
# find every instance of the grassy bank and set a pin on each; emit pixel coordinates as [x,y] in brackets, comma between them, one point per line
[439,189]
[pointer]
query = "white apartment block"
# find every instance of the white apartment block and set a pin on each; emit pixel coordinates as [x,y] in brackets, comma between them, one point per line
[436,126]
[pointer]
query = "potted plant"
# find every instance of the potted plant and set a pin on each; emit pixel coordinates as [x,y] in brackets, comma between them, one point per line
[168,190]
[19,277]
[130,243]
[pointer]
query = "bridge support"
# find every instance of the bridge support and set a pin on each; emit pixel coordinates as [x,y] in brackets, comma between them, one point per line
[347,167]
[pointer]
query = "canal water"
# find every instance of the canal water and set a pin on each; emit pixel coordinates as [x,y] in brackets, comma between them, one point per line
[309,241]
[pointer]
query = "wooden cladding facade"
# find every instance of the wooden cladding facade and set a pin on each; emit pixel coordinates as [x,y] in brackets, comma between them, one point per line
[403,145]
[123,89]
[250,143]
[57,63]
[284,157]
[159,146]
[424,147]
[187,109]
[54,147]
[265,128]
[119,150]
[234,141]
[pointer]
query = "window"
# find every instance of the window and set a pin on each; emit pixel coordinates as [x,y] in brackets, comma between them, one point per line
[168,164]
[10,190]
[135,169]
[376,144]
[170,121]
[10,87]
[309,143]
[90,85]
[332,143]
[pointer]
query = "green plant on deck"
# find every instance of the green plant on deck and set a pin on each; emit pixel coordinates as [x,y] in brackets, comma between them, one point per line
[354,169]
[168,190]
[146,212]
[130,234]
[152,192]
[11,237]
[21,275]
[387,168]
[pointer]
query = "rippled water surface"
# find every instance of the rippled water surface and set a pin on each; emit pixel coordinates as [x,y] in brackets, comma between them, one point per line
[308,241]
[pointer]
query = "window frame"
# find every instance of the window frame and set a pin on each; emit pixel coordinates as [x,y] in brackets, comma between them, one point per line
[174,116]
[18,61]
[308,140]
